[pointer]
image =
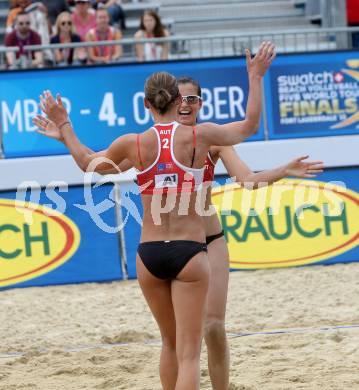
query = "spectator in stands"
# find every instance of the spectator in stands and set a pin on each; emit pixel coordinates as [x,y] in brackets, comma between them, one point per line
[17,6]
[104,32]
[65,33]
[151,27]
[38,22]
[353,19]
[54,8]
[114,9]
[83,18]
[20,37]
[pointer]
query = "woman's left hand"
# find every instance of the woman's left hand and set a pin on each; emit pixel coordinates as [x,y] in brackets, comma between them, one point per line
[300,168]
[54,109]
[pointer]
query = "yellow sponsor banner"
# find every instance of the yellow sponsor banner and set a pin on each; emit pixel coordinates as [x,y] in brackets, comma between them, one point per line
[34,240]
[292,222]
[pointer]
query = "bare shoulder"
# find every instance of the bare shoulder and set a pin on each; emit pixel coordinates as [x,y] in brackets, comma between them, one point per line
[166,32]
[184,129]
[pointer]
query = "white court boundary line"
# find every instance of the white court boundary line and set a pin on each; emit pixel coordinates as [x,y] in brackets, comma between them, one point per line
[158,343]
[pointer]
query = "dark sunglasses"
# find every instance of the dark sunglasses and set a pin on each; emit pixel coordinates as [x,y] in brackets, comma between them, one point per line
[191,99]
[64,23]
[24,23]
[81,2]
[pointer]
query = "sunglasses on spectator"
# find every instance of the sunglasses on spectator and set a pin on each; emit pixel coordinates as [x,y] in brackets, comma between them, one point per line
[24,23]
[66,22]
[81,2]
[191,99]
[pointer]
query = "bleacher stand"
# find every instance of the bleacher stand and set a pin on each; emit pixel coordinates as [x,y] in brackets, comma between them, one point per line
[202,28]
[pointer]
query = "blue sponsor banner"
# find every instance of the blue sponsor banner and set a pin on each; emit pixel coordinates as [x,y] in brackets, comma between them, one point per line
[106,102]
[344,227]
[132,211]
[71,248]
[312,95]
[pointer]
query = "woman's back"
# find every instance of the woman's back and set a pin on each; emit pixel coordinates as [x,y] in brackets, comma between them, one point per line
[171,172]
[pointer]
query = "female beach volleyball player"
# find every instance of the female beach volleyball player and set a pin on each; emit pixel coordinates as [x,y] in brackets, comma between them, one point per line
[215,334]
[171,264]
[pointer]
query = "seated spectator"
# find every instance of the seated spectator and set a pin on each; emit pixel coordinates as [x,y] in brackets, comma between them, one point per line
[38,21]
[83,18]
[54,8]
[104,32]
[151,27]
[114,9]
[65,33]
[20,37]
[17,6]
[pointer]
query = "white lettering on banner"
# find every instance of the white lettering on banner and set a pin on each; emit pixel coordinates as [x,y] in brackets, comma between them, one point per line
[236,97]
[289,98]
[305,79]
[19,117]
[13,118]
[222,103]
[207,108]
[146,117]
[107,111]
[218,103]
[30,110]
[166,180]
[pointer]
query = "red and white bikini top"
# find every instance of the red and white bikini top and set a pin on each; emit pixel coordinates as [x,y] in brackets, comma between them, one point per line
[167,174]
[209,166]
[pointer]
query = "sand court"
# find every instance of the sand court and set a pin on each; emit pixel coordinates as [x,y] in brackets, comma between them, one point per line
[295,328]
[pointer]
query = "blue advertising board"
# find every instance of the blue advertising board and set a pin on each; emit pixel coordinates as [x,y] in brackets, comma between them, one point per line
[324,234]
[106,102]
[132,212]
[62,236]
[313,94]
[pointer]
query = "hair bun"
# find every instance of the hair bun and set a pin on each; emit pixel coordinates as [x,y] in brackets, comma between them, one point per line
[162,98]
[161,90]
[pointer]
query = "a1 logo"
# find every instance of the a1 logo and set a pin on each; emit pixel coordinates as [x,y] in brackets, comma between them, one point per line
[166,180]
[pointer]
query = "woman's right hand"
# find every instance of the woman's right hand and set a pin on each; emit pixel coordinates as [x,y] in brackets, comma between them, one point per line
[47,128]
[259,64]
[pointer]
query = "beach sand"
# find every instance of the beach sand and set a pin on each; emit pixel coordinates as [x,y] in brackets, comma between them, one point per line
[102,336]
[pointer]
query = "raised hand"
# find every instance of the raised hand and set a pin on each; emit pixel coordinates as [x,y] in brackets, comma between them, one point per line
[300,168]
[47,128]
[54,109]
[258,65]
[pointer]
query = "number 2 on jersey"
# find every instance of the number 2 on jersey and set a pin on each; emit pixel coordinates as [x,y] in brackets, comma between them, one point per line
[165,143]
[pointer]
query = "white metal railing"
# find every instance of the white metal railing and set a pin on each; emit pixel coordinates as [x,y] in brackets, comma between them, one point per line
[219,45]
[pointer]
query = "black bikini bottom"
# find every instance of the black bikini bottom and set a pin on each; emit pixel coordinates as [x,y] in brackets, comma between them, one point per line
[209,239]
[166,259]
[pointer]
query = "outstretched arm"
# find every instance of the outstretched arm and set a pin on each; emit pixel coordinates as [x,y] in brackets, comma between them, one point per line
[235,132]
[243,175]
[86,159]
[48,129]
